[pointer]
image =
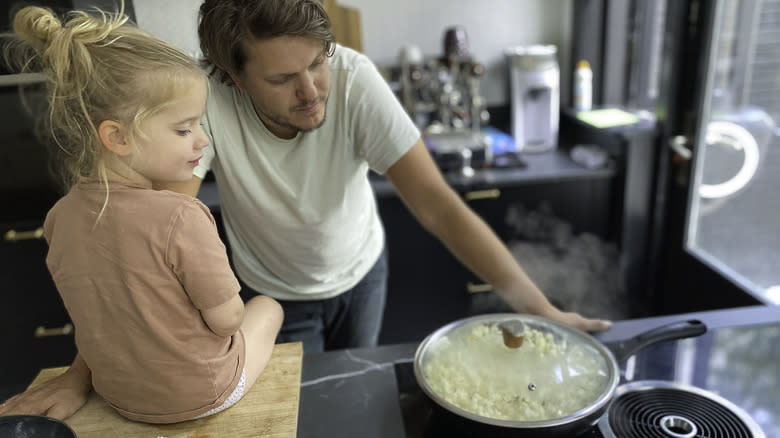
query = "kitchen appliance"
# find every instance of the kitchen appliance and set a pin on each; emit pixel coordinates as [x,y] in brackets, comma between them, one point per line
[27,186]
[648,379]
[442,96]
[665,409]
[33,426]
[456,42]
[554,360]
[534,90]
[443,91]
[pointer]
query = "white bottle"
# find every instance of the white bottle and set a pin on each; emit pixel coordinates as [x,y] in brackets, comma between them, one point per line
[583,86]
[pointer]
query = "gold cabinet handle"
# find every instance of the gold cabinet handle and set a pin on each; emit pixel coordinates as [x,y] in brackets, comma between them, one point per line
[474,288]
[482,194]
[14,236]
[43,332]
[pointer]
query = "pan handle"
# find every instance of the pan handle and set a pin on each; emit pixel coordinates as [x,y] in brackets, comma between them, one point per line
[675,330]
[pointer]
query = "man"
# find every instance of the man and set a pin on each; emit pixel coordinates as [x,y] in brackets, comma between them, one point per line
[296,122]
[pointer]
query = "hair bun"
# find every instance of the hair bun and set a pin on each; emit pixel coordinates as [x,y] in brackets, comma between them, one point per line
[36,26]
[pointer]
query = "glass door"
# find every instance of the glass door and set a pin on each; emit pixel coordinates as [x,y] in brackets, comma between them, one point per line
[720,175]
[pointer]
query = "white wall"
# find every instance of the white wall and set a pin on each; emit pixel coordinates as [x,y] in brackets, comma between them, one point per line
[387,25]
[175,21]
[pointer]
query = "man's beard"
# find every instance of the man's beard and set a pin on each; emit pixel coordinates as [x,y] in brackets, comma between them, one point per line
[322,122]
[291,126]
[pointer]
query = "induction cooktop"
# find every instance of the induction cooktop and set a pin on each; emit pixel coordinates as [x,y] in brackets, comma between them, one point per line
[722,384]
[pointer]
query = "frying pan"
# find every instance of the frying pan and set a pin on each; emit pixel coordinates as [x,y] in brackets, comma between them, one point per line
[570,424]
[33,426]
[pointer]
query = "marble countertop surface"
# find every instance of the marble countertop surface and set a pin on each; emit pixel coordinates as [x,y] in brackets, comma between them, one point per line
[354,392]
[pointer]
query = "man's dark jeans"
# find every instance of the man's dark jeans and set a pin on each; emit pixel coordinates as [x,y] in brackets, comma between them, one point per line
[349,320]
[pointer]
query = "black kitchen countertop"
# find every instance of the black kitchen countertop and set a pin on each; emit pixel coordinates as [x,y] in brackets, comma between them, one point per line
[550,166]
[546,167]
[354,392]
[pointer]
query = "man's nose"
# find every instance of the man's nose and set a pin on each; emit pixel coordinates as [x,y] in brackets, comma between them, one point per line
[307,89]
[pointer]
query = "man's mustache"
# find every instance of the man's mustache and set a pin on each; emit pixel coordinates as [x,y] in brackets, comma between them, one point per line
[303,105]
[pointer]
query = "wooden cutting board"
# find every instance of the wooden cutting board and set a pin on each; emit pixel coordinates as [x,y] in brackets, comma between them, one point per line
[270,409]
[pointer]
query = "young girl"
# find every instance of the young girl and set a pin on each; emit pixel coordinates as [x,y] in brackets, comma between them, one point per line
[161,331]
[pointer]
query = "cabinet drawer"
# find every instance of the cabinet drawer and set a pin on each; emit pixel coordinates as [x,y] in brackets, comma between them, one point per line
[27,351]
[32,317]
[417,259]
[583,204]
[29,294]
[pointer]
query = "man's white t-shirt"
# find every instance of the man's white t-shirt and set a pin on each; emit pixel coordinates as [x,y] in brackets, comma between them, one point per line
[300,214]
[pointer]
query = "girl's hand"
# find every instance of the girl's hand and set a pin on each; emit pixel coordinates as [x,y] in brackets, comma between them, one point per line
[58,398]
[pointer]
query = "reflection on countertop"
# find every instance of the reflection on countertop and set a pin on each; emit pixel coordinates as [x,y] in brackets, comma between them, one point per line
[743,369]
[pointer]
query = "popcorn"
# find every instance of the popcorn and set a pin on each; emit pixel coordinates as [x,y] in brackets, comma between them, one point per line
[545,378]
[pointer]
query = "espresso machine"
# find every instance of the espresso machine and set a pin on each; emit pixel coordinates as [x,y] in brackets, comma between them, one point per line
[441,94]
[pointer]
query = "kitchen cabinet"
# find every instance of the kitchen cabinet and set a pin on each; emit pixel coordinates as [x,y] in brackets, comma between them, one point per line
[425,283]
[428,287]
[35,329]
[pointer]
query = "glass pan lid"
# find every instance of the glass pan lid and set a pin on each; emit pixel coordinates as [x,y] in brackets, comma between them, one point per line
[553,373]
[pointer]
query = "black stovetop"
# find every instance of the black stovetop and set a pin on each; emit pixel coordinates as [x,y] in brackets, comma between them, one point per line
[423,420]
[737,365]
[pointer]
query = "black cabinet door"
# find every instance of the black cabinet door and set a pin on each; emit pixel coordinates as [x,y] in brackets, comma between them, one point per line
[428,287]
[426,283]
[35,330]
[532,212]
[584,204]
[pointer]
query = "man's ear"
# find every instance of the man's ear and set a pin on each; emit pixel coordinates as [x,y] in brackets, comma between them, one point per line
[113,138]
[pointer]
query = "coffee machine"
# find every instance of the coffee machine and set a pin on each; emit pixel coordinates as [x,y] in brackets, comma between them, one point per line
[534,84]
[442,96]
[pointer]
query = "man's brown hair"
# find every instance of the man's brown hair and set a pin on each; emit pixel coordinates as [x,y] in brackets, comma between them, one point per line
[225,24]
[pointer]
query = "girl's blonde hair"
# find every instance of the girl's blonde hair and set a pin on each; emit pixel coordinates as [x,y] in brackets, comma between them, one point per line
[98,67]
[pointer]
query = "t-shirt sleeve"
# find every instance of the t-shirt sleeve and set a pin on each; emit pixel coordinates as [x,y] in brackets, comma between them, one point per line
[198,257]
[384,132]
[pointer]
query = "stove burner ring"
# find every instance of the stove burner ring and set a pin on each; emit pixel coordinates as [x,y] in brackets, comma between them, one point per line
[661,409]
[678,427]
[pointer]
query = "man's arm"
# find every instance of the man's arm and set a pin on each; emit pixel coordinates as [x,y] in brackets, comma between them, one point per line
[441,211]
[187,187]
[59,397]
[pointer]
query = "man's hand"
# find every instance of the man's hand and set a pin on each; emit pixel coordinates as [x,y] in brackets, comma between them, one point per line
[576,320]
[58,398]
